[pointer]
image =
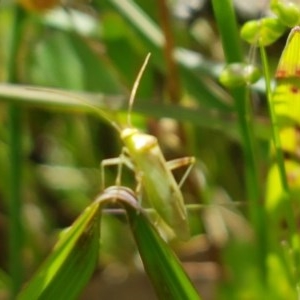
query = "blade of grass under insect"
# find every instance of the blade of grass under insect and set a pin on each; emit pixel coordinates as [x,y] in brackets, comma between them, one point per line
[15,150]
[206,90]
[227,25]
[162,266]
[68,268]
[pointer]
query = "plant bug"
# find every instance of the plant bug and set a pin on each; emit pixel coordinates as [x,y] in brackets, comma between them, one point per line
[143,154]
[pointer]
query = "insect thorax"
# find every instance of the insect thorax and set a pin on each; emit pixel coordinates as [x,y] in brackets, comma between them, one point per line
[137,141]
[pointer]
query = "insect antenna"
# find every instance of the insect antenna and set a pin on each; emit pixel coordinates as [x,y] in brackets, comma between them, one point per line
[134,89]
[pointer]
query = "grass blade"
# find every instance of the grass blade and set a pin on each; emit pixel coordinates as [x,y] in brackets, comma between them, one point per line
[15,155]
[162,266]
[67,270]
[227,25]
[68,101]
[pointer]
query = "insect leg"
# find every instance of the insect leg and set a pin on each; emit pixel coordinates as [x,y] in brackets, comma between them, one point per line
[123,159]
[181,162]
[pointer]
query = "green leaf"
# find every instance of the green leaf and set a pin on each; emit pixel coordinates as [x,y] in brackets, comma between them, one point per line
[162,266]
[107,106]
[67,270]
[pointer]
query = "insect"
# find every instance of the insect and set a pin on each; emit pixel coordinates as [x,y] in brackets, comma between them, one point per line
[143,154]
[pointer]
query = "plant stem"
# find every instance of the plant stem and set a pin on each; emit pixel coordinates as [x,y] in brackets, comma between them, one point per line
[228,28]
[16,233]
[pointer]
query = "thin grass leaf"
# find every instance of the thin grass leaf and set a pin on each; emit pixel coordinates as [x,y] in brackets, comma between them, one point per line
[162,266]
[227,25]
[67,270]
[16,26]
[53,99]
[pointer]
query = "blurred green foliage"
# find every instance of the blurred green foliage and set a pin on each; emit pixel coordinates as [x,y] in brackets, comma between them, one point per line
[93,51]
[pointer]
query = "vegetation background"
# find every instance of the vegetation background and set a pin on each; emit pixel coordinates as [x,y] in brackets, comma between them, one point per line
[50,151]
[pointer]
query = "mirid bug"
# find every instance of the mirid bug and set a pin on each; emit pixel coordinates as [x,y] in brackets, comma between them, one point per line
[143,154]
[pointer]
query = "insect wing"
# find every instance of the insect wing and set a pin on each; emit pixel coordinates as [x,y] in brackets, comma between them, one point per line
[158,181]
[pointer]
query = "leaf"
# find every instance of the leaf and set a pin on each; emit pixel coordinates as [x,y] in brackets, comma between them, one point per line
[162,266]
[68,268]
[58,100]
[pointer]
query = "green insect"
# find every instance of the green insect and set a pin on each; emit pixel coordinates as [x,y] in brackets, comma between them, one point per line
[143,154]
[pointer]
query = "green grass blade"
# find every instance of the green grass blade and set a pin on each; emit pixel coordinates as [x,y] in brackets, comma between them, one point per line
[228,28]
[69,267]
[15,155]
[58,100]
[162,266]
[53,99]
[232,49]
